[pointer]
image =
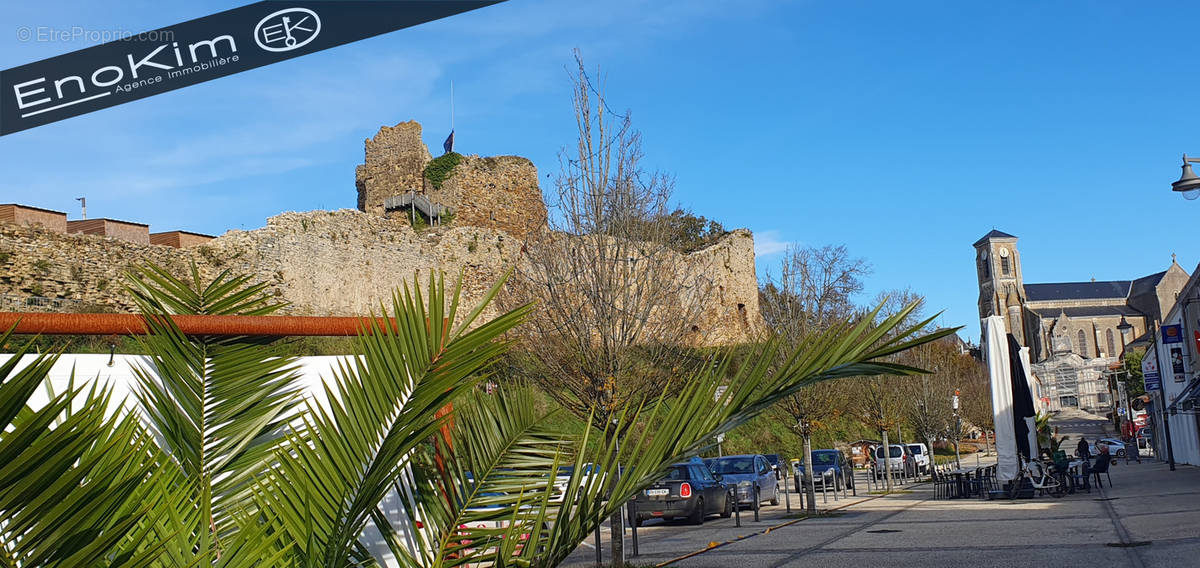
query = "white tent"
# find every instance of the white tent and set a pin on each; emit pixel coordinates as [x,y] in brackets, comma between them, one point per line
[995,355]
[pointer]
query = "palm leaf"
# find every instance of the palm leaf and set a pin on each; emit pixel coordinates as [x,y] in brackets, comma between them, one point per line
[68,473]
[382,404]
[218,405]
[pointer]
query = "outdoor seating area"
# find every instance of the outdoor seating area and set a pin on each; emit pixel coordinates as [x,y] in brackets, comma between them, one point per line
[961,483]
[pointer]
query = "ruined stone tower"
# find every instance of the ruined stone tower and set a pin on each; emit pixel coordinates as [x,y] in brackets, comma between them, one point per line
[496,192]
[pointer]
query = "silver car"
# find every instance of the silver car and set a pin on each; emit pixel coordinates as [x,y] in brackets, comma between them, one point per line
[752,474]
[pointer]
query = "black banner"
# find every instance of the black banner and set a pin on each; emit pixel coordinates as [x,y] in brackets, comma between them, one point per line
[200,50]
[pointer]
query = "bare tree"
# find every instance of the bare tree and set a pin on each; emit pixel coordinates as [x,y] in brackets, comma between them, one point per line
[929,406]
[881,400]
[815,290]
[976,399]
[614,307]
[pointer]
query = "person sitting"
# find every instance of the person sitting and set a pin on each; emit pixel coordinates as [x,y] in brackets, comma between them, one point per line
[1101,465]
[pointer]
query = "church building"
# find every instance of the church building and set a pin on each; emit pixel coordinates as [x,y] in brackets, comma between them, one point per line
[1074,330]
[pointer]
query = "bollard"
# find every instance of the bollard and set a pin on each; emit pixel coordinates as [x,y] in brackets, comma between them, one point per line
[854,483]
[787,496]
[633,524]
[757,500]
[824,490]
[737,510]
[599,550]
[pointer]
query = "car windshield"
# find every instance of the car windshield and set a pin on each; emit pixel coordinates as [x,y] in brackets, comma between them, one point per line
[824,458]
[733,465]
[895,452]
[678,473]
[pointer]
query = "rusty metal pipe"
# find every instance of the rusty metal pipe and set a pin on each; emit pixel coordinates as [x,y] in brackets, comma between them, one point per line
[30,323]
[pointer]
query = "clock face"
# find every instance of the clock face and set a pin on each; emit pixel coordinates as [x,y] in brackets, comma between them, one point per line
[1004,253]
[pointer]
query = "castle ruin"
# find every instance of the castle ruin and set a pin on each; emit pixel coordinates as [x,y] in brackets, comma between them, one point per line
[348,262]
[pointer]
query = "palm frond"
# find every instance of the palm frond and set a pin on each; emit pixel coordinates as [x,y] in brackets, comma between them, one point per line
[218,405]
[383,403]
[68,472]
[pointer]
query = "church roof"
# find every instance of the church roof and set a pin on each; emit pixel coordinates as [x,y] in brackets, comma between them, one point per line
[1146,284]
[1087,311]
[1117,289]
[994,234]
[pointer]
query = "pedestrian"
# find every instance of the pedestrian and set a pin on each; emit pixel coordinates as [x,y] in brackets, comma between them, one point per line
[1082,450]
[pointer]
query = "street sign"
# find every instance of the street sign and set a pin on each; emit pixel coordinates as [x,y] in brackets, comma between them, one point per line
[1150,376]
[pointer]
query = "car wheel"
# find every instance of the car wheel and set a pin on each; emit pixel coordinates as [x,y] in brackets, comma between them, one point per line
[1120,453]
[775,496]
[697,516]
[728,512]
[837,484]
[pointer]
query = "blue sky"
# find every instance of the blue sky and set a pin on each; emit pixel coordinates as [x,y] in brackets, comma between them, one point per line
[904,131]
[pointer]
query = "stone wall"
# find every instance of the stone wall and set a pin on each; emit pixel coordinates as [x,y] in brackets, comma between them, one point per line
[35,262]
[499,192]
[342,263]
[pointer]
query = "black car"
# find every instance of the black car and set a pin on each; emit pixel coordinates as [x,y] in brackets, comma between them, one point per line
[689,490]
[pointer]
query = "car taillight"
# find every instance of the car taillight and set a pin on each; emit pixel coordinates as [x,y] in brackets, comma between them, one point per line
[685,490]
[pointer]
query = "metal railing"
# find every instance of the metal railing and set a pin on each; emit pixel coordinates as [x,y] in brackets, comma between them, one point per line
[12,303]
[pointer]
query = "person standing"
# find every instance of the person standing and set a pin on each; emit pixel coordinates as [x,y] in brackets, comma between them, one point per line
[1082,450]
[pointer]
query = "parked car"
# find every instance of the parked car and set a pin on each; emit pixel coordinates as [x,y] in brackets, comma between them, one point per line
[901,459]
[753,476]
[564,477]
[1115,447]
[689,490]
[826,461]
[922,456]
[776,464]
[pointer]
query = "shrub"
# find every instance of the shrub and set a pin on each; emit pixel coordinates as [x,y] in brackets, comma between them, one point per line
[441,168]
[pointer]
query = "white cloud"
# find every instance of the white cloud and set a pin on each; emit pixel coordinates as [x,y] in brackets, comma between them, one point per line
[769,243]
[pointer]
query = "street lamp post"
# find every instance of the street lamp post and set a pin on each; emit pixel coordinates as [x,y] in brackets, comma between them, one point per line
[957,429]
[1189,182]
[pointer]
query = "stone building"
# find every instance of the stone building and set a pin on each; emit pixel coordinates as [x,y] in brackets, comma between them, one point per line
[124,230]
[1073,329]
[17,214]
[179,239]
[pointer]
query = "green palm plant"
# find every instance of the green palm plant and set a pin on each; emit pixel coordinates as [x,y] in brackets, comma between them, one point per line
[69,473]
[225,465]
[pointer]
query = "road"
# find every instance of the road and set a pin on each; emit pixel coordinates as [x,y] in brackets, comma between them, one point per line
[1147,518]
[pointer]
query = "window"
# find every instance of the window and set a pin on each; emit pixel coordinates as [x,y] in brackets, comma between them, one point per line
[1112,345]
[1004,265]
[1082,339]
[983,268]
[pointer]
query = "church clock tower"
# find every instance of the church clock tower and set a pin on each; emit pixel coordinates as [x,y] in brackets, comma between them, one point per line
[1001,289]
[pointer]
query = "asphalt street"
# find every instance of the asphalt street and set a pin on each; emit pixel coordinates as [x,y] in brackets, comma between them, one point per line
[1148,517]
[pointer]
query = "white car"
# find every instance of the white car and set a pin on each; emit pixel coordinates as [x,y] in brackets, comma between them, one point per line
[922,456]
[1115,446]
[900,458]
